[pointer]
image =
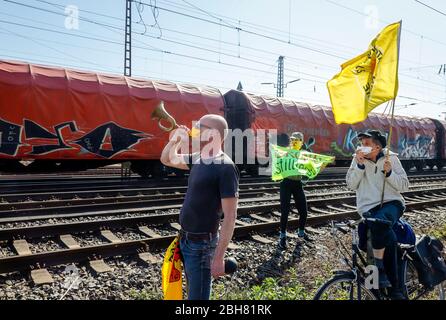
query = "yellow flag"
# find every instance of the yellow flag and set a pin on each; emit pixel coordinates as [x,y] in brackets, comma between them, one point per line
[171,273]
[368,80]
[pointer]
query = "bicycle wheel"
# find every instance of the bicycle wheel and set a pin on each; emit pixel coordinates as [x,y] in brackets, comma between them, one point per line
[410,279]
[343,287]
[414,289]
[441,289]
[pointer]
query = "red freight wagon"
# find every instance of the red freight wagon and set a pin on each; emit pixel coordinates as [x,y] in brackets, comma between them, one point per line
[50,114]
[442,137]
[415,139]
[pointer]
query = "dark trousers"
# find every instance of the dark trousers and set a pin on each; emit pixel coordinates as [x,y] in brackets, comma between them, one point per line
[287,188]
[383,236]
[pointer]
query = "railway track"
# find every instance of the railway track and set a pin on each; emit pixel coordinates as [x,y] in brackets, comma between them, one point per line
[113,171]
[55,183]
[156,230]
[78,203]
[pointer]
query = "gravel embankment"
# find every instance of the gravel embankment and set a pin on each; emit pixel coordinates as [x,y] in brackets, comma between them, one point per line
[131,279]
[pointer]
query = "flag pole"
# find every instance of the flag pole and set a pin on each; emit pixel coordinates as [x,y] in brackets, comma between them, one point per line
[389,138]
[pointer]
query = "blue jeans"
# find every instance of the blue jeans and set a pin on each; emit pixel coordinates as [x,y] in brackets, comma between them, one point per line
[197,259]
[383,235]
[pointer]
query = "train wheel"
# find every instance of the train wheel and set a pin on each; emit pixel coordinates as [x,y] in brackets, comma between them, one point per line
[141,169]
[419,165]
[12,166]
[252,170]
[179,173]
[407,166]
[158,171]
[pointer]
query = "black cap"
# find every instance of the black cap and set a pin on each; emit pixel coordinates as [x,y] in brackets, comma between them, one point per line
[283,140]
[374,134]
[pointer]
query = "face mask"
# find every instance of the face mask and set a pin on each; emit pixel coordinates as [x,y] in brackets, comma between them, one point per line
[296,144]
[195,132]
[365,150]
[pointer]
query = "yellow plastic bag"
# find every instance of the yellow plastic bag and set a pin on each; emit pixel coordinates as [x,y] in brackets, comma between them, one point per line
[172,277]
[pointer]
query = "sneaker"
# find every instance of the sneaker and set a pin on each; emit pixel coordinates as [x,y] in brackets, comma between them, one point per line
[305,236]
[383,280]
[282,243]
[397,294]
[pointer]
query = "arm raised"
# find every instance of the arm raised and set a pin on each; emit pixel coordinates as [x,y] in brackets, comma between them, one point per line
[170,156]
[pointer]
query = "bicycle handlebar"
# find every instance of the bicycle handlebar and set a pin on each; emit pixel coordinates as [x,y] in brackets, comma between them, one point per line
[354,224]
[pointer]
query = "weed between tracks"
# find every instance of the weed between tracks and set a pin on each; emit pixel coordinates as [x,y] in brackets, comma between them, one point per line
[294,283]
[440,233]
[289,287]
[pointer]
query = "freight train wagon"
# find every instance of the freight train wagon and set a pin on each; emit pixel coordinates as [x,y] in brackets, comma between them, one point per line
[58,119]
[418,141]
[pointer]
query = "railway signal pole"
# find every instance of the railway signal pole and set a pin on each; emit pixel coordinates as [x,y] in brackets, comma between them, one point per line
[128,39]
[280,83]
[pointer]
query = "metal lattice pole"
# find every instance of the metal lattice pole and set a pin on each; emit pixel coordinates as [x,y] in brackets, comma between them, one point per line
[128,39]
[280,83]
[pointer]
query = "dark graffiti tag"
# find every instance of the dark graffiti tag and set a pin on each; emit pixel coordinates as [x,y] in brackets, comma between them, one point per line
[35,131]
[110,139]
[106,140]
[417,147]
[9,137]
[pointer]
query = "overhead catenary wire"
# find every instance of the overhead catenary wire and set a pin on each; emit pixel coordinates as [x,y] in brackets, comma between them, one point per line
[158,49]
[271,30]
[430,7]
[146,48]
[271,38]
[240,29]
[118,28]
[386,22]
[154,49]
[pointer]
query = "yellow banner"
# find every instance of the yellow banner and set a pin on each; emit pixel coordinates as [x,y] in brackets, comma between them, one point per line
[368,80]
[172,281]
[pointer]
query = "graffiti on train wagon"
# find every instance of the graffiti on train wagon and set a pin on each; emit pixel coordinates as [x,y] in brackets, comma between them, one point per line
[106,140]
[9,137]
[348,146]
[418,147]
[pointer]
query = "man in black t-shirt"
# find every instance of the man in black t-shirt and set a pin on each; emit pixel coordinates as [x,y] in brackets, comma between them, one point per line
[212,191]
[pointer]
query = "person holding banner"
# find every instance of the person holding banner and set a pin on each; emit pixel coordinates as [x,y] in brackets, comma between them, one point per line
[292,185]
[212,190]
[369,168]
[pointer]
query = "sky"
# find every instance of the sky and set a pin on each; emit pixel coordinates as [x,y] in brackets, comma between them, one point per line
[219,43]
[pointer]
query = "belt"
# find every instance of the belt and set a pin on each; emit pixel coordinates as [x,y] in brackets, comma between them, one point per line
[197,236]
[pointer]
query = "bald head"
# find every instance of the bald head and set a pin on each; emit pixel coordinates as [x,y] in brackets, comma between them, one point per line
[216,122]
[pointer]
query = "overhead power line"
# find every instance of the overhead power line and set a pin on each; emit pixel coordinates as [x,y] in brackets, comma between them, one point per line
[386,22]
[239,29]
[116,28]
[432,8]
[149,47]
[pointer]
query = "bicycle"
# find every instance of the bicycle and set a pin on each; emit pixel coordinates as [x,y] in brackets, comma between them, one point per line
[350,284]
